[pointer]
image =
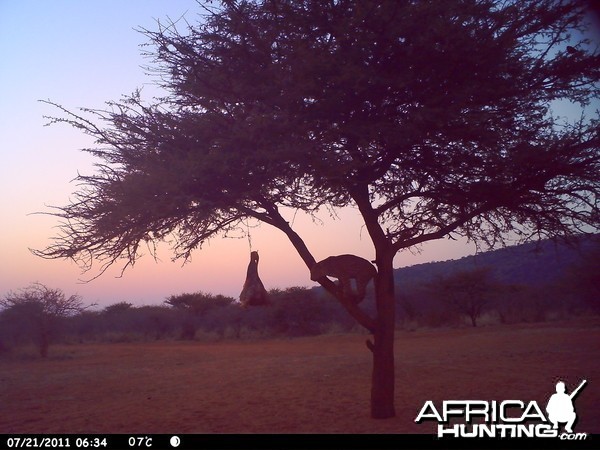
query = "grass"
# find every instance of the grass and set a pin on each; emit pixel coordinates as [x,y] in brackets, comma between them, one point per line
[307,385]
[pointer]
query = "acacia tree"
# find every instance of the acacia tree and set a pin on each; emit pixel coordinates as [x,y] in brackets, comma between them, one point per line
[36,311]
[433,119]
[468,292]
[195,306]
[582,278]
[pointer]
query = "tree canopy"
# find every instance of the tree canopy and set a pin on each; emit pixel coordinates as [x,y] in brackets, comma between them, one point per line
[431,118]
[431,130]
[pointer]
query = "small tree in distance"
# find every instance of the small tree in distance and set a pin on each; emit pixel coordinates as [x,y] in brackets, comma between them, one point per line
[36,312]
[467,292]
[273,106]
[583,278]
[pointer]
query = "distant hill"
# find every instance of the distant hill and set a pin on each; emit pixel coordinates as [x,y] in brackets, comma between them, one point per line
[533,264]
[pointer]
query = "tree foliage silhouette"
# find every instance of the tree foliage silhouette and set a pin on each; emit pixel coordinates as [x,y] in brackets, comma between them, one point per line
[467,292]
[433,119]
[36,312]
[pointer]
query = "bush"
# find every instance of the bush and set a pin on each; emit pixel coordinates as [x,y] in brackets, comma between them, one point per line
[194,308]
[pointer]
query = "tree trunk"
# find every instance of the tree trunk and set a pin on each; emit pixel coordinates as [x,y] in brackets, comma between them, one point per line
[473,320]
[383,376]
[44,343]
[382,347]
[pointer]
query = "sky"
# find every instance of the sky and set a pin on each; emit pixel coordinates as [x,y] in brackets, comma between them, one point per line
[82,54]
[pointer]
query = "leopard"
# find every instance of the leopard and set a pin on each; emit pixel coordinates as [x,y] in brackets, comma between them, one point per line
[346,268]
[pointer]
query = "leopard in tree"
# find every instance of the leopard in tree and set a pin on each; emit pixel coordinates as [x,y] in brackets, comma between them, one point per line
[346,268]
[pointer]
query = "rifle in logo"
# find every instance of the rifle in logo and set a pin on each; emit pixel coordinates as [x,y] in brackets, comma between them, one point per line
[560,406]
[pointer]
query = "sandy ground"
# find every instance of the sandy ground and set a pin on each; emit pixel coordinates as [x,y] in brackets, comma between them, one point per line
[308,385]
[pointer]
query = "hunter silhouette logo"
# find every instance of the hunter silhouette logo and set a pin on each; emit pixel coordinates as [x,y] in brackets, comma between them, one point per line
[560,406]
[507,418]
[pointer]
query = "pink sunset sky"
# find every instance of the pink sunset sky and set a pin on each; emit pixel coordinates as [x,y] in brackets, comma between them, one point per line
[81,54]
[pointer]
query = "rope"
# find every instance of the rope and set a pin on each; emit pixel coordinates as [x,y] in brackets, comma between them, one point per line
[249,235]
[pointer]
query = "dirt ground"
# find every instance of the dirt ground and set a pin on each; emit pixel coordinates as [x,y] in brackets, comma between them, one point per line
[308,385]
